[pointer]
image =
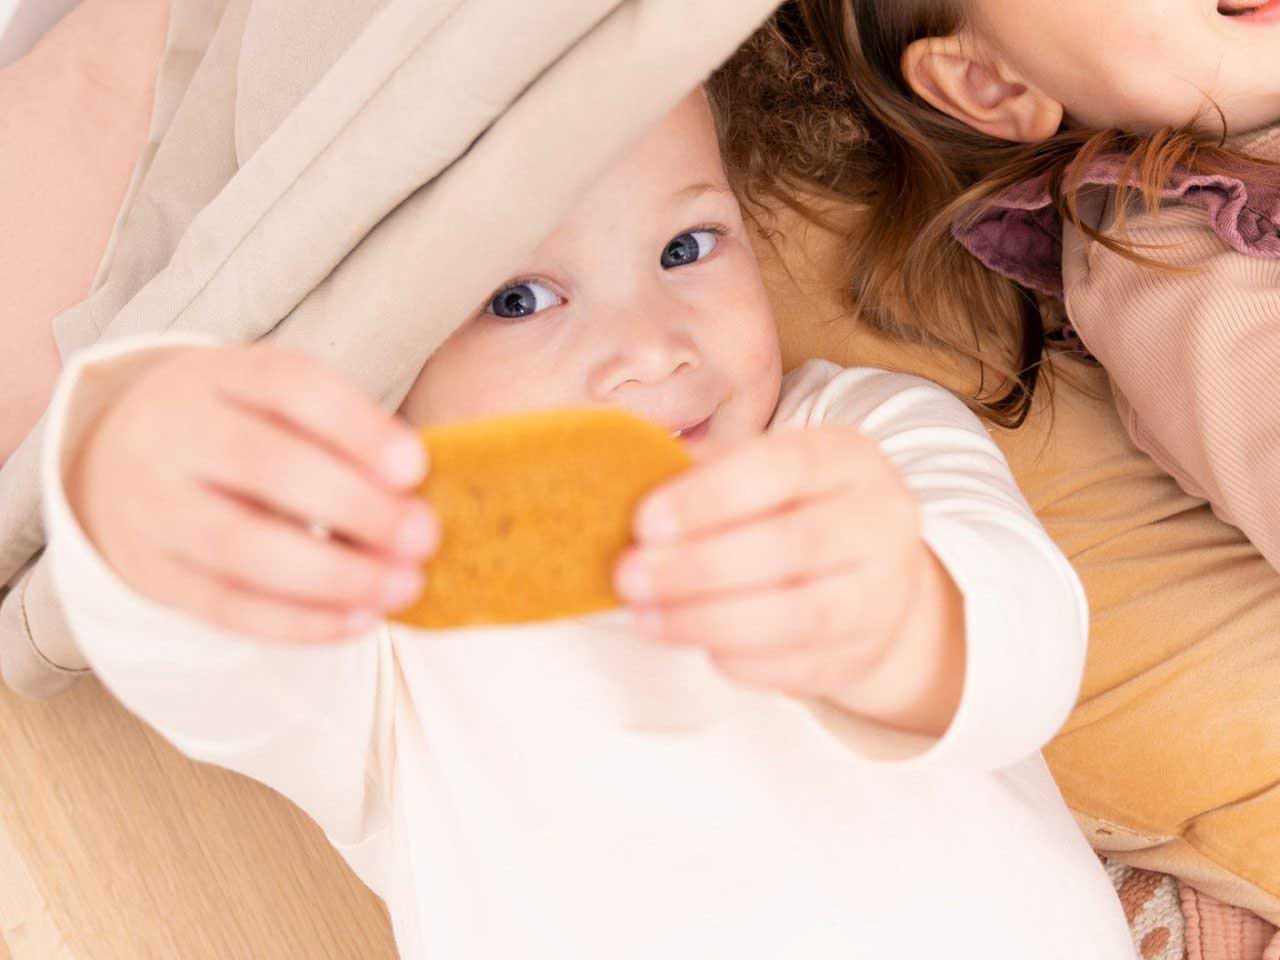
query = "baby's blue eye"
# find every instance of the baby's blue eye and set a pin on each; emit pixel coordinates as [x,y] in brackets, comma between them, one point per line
[523,300]
[689,248]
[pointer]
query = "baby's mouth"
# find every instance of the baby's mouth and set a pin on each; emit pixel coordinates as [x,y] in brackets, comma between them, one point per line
[694,432]
[1245,8]
[690,429]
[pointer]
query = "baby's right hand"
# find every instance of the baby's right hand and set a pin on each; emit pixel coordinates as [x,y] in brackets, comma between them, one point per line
[200,482]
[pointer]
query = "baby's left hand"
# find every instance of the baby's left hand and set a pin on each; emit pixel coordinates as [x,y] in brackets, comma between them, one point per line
[796,560]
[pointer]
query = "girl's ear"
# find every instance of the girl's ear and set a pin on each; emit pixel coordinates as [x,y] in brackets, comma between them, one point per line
[945,72]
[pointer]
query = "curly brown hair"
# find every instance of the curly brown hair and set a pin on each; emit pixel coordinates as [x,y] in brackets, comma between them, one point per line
[814,106]
[786,120]
[795,134]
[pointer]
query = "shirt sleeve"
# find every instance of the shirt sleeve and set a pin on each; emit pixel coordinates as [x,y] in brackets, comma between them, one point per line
[1193,354]
[1025,613]
[311,721]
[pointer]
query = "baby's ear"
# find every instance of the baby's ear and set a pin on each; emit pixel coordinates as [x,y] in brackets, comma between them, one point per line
[948,73]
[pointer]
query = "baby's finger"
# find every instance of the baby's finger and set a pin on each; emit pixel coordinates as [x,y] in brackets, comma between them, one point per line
[303,392]
[805,540]
[810,614]
[265,554]
[228,606]
[755,478]
[266,462]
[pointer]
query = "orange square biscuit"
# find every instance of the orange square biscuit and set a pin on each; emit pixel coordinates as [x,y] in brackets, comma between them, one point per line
[535,510]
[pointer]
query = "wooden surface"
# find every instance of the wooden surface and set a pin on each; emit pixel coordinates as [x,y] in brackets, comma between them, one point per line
[113,846]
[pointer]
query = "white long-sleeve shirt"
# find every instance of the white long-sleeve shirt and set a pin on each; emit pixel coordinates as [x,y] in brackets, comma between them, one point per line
[569,790]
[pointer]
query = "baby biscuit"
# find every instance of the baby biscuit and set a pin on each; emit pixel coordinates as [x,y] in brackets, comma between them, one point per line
[535,510]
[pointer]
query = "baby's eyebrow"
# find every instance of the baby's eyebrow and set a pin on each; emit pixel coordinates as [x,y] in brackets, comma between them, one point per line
[696,190]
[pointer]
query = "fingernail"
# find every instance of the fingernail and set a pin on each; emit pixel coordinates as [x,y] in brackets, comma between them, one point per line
[633,580]
[418,533]
[361,621]
[656,524]
[405,462]
[401,588]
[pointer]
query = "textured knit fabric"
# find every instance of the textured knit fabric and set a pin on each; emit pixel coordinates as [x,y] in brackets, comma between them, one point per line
[571,790]
[1217,931]
[1152,907]
[322,169]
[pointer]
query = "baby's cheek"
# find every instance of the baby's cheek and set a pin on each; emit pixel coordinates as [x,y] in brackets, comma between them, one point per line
[766,378]
[756,333]
[751,338]
[446,392]
[759,368]
[460,381]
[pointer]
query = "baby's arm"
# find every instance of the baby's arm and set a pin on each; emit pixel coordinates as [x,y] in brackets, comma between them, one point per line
[308,718]
[1025,612]
[1194,357]
[860,558]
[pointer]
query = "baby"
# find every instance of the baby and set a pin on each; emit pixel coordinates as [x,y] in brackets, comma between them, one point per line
[812,733]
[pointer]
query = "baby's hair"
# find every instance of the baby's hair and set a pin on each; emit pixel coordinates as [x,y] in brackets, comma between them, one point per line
[816,104]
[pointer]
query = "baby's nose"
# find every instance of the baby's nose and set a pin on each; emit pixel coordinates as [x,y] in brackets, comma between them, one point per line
[649,352]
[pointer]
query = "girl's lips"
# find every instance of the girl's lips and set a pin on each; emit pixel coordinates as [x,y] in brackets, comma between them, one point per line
[1251,11]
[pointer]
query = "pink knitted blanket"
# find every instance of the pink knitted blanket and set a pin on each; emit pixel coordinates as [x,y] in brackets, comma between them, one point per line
[1172,921]
[1216,931]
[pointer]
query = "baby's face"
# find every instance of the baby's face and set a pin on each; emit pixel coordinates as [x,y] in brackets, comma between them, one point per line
[1141,64]
[647,299]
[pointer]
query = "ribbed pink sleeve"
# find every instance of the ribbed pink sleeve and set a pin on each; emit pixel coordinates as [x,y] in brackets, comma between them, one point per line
[1194,356]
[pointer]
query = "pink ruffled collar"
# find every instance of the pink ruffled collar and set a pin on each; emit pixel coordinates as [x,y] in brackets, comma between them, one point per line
[1020,235]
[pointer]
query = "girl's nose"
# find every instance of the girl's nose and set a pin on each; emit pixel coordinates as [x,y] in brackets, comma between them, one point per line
[647,350]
